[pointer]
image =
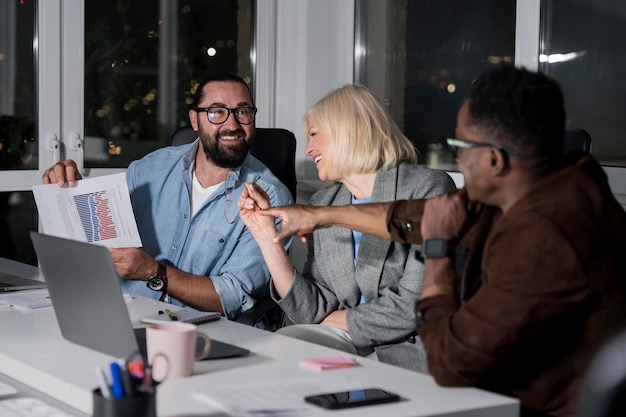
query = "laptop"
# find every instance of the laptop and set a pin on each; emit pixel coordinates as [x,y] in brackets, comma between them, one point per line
[9,282]
[88,301]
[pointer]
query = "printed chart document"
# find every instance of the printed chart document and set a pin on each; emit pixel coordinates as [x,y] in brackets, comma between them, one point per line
[95,210]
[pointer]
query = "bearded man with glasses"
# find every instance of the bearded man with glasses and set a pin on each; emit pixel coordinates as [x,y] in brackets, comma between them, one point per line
[197,252]
[543,286]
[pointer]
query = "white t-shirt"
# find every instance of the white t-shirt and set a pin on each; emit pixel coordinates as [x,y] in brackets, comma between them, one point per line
[199,194]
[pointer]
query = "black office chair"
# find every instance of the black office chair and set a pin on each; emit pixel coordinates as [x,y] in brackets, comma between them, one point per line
[276,148]
[576,139]
[604,394]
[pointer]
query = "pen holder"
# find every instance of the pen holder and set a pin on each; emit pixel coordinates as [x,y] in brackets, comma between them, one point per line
[138,405]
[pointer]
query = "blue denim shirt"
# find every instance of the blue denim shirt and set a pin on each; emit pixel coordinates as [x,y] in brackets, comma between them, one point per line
[215,242]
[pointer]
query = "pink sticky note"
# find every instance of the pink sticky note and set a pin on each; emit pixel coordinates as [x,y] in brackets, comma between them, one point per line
[327,362]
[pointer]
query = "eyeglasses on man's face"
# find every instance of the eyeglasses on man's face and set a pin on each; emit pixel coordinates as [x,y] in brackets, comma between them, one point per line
[456,144]
[218,114]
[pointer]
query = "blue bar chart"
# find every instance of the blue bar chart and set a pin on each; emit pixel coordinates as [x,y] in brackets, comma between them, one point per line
[95,215]
[95,210]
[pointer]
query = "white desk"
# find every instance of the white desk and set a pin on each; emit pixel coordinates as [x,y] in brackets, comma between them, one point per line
[33,352]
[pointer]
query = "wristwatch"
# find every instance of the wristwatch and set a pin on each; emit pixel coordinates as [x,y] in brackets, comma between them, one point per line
[158,281]
[437,248]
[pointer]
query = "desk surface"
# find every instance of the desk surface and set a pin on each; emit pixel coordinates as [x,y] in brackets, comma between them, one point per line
[33,352]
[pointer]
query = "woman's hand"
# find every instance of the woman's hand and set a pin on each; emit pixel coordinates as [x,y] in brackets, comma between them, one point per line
[254,199]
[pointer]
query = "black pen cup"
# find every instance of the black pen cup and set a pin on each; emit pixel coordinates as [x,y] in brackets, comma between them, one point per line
[138,405]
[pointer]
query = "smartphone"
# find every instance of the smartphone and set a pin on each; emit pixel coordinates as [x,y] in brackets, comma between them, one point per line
[354,398]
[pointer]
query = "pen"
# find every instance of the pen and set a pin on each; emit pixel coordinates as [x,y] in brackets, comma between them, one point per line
[102,382]
[171,315]
[126,382]
[147,380]
[117,386]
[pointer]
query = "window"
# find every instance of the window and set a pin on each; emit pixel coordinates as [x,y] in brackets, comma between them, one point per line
[582,48]
[18,139]
[143,61]
[420,57]
[140,63]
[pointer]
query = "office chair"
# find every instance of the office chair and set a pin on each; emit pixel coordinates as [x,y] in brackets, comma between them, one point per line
[276,148]
[576,139]
[604,394]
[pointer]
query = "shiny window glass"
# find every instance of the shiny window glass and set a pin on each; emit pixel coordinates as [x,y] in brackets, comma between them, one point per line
[18,136]
[582,47]
[143,61]
[419,57]
[18,146]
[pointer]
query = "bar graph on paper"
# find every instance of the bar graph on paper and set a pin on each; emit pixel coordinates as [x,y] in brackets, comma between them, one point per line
[95,215]
[95,210]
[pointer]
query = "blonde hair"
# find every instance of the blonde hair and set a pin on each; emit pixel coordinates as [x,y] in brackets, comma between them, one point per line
[364,138]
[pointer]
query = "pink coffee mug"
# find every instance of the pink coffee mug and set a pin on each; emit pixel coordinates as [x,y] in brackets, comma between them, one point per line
[172,349]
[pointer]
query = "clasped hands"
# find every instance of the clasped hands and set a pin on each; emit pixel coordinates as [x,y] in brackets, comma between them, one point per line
[256,213]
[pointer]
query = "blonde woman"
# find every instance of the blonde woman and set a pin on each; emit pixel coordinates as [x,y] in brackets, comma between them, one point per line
[356,292]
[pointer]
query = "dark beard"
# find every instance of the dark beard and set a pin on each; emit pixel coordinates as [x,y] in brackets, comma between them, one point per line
[230,158]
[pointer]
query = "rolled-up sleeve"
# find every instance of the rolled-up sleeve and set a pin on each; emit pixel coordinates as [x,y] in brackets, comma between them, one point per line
[404,220]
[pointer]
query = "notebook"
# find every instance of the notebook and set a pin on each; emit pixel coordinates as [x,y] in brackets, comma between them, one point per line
[184,315]
[10,282]
[88,301]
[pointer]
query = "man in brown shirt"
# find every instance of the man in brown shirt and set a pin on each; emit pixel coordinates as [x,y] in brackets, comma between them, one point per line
[543,284]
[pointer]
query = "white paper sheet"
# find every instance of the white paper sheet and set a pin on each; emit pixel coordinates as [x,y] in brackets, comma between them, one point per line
[33,299]
[281,398]
[95,210]
[28,300]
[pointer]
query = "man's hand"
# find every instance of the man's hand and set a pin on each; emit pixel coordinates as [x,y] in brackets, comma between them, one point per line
[133,263]
[61,173]
[296,220]
[447,216]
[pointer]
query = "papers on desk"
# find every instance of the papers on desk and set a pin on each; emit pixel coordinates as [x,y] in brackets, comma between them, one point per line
[95,210]
[184,315]
[27,300]
[34,299]
[279,398]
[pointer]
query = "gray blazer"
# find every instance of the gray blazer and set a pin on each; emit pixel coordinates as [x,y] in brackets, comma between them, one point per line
[387,273]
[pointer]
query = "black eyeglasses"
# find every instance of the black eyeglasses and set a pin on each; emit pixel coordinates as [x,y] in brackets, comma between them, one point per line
[455,144]
[218,114]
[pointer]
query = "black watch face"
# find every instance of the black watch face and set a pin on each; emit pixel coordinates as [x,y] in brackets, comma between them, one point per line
[436,248]
[156,283]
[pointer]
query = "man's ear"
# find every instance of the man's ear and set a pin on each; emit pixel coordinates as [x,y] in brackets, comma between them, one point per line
[499,162]
[193,119]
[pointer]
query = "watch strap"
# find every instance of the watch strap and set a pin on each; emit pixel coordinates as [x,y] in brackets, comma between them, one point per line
[161,270]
